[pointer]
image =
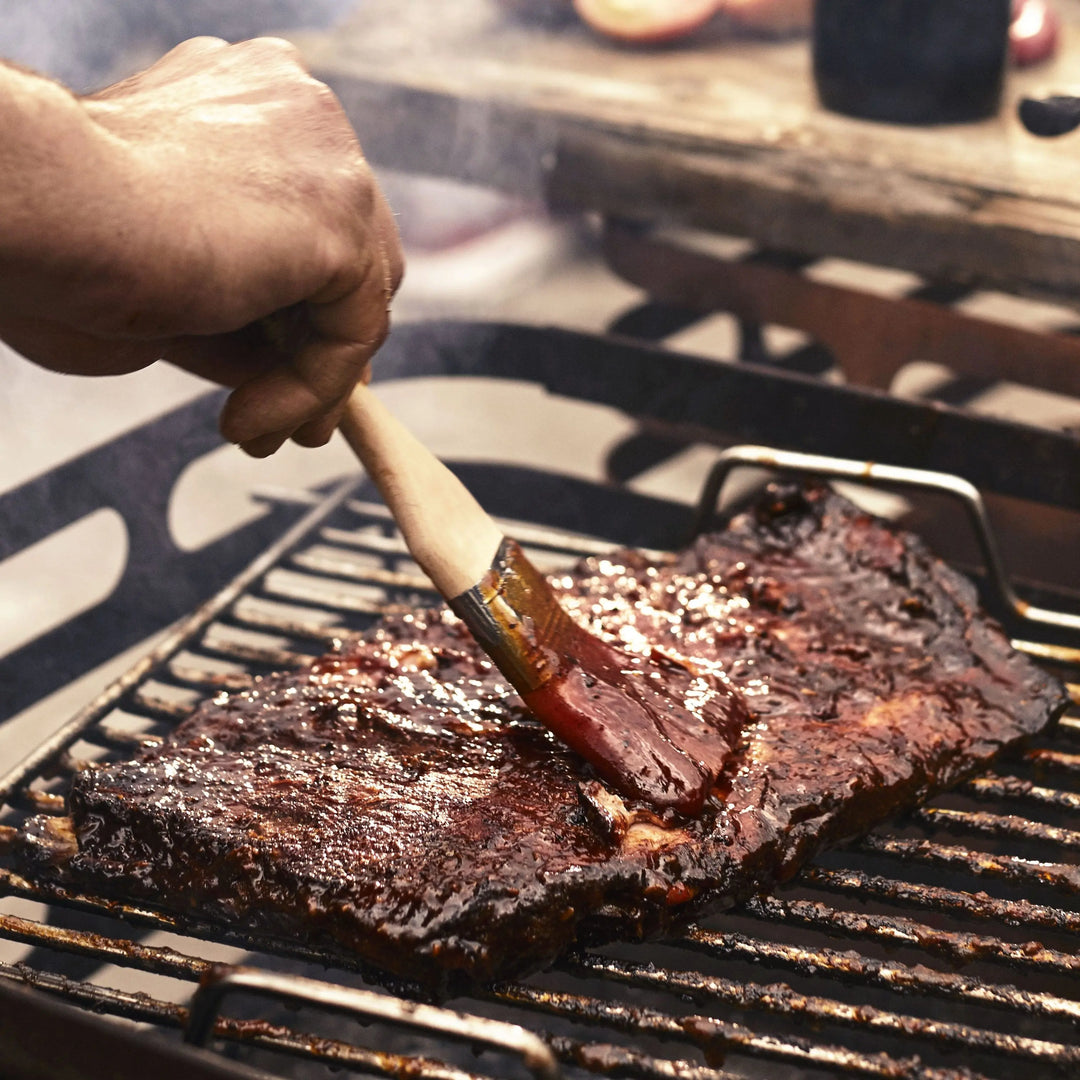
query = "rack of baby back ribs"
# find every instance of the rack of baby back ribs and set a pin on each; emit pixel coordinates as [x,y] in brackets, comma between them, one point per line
[940,944]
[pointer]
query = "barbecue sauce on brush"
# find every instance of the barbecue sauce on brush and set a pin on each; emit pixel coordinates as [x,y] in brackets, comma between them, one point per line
[651,726]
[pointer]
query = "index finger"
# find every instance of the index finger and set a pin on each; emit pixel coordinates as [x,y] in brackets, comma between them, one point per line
[346,332]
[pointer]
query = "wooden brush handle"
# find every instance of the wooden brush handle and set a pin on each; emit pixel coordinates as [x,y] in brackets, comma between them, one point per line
[445,528]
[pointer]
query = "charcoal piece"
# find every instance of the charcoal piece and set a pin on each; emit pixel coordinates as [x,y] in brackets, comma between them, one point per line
[395,801]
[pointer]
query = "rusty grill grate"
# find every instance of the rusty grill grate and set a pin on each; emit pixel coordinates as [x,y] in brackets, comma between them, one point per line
[942,946]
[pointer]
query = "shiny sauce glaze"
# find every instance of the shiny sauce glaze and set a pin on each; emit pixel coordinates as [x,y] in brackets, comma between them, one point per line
[652,724]
[650,727]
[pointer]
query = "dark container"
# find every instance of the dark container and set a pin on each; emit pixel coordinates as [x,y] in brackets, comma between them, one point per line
[911,61]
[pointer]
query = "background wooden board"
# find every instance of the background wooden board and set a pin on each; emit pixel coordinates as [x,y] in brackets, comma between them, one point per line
[722,133]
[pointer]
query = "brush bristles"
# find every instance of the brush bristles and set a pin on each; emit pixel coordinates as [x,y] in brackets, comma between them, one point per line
[516,618]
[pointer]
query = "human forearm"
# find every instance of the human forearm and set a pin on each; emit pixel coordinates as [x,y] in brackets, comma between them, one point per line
[69,209]
[157,218]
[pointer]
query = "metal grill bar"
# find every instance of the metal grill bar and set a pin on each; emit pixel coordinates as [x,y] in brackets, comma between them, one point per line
[850,967]
[782,1000]
[959,947]
[1009,868]
[949,901]
[1056,760]
[525,532]
[605,1059]
[160,708]
[847,967]
[13,884]
[266,655]
[300,628]
[166,961]
[159,960]
[68,763]
[329,596]
[1059,654]
[204,679]
[259,1033]
[367,540]
[366,1006]
[40,801]
[1012,787]
[339,564]
[1016,828]
[335,1053]
[717,1037]
[116,738]
[120,1003]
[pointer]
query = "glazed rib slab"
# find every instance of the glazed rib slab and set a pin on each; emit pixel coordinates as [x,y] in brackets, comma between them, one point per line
[396,801]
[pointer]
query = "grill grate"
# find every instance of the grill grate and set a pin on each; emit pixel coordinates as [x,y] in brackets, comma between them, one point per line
[908,954]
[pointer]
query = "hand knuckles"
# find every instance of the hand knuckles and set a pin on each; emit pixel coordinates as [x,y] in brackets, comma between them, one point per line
[350,207]
[371,270]
[393,256]
[203,44]
[382,332]
[272,48]
[376,331]
[395,269]
[325,98]
[360,190]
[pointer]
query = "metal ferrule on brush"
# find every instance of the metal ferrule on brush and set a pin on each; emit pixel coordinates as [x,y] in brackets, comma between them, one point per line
[516,618]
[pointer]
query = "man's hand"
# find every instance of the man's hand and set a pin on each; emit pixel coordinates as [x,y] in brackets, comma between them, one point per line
[170,215]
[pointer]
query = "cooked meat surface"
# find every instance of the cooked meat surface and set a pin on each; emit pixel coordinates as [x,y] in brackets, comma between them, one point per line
[397,801]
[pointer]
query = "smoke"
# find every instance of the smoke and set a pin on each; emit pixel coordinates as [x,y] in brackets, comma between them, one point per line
[87,44]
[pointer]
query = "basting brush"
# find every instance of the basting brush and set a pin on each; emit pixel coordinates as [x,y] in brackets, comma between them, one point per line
[647,725]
